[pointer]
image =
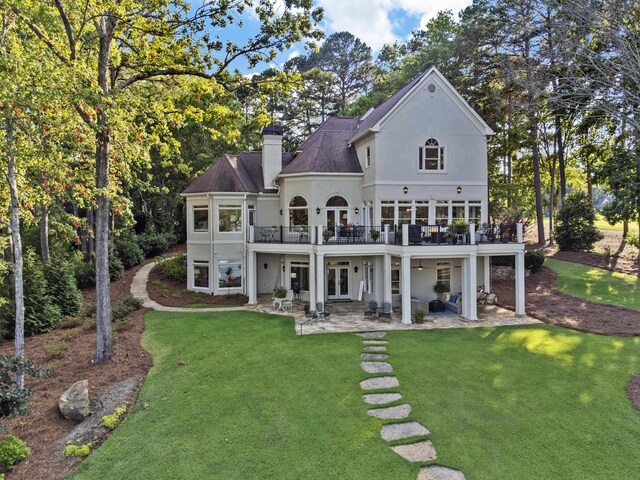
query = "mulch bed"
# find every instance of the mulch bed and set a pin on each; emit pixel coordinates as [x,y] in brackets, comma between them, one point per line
[69,352]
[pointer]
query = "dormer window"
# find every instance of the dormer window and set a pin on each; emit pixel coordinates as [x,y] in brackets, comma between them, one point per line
[431,156]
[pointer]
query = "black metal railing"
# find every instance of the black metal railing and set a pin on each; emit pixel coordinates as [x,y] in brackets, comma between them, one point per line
[433,235]
[497,233]
[280,234]
[352,234]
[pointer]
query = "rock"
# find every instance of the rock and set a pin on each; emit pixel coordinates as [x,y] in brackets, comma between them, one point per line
[376,367]
[397,412]
[374,342]
[375,348]
[380,398]
[370,335]
[416,452]
[378,383]
[440,473]
[399,431]
[374,356]
[74,403]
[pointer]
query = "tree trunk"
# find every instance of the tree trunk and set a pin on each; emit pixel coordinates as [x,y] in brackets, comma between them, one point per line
[17,248]
[44,233]
[535,153]
[625,228]
[104,340]
[561,159]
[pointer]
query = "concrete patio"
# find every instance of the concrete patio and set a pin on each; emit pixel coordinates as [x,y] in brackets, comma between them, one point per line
[349,317]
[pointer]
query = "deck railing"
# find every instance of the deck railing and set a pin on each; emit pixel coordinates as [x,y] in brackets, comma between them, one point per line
[280,234]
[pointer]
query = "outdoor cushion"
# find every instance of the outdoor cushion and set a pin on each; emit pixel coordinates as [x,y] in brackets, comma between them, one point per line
[446,296]
[453,298]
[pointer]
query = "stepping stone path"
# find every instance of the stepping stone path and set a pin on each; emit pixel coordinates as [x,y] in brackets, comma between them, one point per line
[374,356]
[399,431]
[420,451]
[376,367]
[380,398]
[440,473]
[397,412]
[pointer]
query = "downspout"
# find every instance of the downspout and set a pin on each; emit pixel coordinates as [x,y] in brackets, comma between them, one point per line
[211,251]
[245,214]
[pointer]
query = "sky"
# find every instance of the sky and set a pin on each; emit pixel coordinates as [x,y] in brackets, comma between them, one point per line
[375,22]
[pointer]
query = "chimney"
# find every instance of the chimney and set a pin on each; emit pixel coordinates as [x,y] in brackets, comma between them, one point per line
[271,154]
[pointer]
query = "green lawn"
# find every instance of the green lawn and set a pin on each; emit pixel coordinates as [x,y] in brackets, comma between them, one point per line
[235,395]
[602,224]
[597,284]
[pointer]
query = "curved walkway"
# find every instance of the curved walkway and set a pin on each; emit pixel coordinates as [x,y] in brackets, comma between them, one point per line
[139,290]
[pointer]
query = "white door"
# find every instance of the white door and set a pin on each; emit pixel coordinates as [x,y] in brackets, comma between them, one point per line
[338,282]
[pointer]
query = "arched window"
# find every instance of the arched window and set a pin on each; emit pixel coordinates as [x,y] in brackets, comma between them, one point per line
[337,201]
[298,212]
[431,156]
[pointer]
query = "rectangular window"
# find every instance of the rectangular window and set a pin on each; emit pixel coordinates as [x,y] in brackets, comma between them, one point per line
[368,278]
[475,213]
[442,213]
[201,274]
[443,271]
[422,213]
[200,218]
[229,274]
[298,217]
[252,215]
[431,158]
[368,157]
[404,213]
[457,211]
[387,214]
[229,218]
[300,276]
[395,281]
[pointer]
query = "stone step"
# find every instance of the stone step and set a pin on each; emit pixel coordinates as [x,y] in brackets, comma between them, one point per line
[399,431]
[378,383]
[370,335]
[440,473]
[397,412]
[416,452]
[375,342]
[374,348]
[376,367]
[374,356]
[380,398]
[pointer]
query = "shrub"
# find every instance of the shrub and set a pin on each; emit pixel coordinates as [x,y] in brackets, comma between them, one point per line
[86,271]
[73,450]
[127,306]
[62,286]
[503,261]
[128,249]
[440,287]
[40,313]
[13,401]
[115,267]
[279,292]
[154,243]
[418,316]
[12,451]
[633,240]
[533,261]
[111,421]
[575,226]
[173,267]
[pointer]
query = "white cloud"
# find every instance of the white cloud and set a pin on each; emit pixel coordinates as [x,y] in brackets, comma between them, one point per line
[377,22]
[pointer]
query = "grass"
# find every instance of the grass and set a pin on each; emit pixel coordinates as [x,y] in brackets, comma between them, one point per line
[210,305]
[596,284]
[602,224]
[236,395]
[523,403]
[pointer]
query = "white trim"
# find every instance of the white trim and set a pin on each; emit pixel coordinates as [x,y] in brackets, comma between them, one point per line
[422,183]
[321,174]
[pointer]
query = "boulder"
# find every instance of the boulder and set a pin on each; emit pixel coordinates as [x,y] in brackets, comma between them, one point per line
[74,403]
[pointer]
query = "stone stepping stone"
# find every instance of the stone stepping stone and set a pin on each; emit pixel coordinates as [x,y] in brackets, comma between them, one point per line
[370,335]
[376,367]
[374,348]
[375,342]
[381,398]
[374,356]
[440,473]
[399,431]
[416,452]
[378,383]
[397,412]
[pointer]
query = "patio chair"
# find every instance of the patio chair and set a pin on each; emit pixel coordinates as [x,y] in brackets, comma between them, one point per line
[287,302]
[310,314]
[372,310]
[491,299]
[322,312]
[386,311]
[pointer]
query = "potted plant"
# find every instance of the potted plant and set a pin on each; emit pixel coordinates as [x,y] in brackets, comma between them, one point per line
[418,316]
[327,234]
[440,288]
[375,234]
[279,292]
[449,236]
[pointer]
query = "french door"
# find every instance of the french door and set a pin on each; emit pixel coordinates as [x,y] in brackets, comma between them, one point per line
[338,282]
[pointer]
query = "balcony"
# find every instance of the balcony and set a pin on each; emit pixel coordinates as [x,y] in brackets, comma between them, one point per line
[406,235]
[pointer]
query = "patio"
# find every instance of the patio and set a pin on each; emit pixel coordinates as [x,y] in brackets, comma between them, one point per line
[349,317]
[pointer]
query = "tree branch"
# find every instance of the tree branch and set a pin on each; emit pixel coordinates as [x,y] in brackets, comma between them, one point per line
[67,29]
[157,73]
[40,34]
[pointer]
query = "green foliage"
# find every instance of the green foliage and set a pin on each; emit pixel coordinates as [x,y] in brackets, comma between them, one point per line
[85,272]
[128,249]
[418,316]
[12,451]
[42,314]
[13,401]
[503,261]
[116,268]
[62,286]
[154,243]
[575,226]
[279,292]
[126,307]
[73,450]
[173,267]
[112,421]
[633,240]
[440,288]
[533,260]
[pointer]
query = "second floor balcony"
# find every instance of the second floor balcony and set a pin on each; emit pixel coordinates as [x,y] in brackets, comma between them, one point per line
[407,234]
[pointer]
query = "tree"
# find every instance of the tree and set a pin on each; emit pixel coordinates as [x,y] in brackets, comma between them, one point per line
[575,227]
[111,52]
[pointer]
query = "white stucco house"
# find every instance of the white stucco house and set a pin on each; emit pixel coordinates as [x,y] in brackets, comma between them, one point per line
[366,209]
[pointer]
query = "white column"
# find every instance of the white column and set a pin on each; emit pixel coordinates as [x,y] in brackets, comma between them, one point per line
[386,234]
[472,234]
[406,288]
[405,234]
[520,291]
[472,270]
[319,280]
[252,278]
[487,273]
[520,232]
[319,237]
[312,281]
[252,234]
[387,279]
